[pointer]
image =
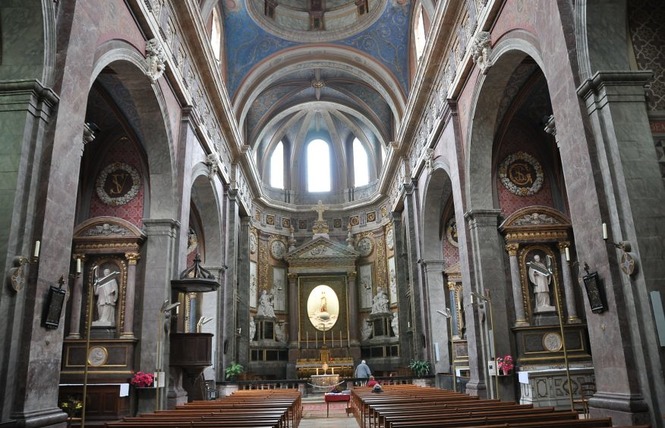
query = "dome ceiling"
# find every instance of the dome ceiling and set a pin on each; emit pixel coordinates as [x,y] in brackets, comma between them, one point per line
[297,68]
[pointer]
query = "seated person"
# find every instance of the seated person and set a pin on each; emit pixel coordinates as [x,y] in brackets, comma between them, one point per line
[372,382]
[377,388]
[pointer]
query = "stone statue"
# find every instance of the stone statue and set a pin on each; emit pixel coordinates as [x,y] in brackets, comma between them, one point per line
[252,329]
[380,305]
[266,308]
[394,324]
[366,332]
[106,290]
[541,277]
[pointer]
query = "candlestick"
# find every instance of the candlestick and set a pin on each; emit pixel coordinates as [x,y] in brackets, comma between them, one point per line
[340,339]
[567,254]
[37,246]
[604,231]
[307,338]
[78,265]
[316,339]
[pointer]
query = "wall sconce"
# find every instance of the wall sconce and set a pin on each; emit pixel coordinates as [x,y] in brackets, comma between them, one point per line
[239,330]
[16,274]
[628,263]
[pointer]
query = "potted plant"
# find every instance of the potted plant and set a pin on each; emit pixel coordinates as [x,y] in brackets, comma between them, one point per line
[233,370]
[420,369]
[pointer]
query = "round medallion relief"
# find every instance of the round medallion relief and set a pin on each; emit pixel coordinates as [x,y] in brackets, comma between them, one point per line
[552,342]
[97,356]
[365,246]
[117,184]
[390,238]
[451,231]
[521,174]
[277,249]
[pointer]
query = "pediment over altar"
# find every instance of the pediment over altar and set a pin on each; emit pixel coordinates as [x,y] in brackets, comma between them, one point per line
[320,252]
[536,224]
[105,235]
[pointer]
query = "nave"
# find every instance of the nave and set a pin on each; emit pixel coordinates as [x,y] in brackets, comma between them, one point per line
[392,406]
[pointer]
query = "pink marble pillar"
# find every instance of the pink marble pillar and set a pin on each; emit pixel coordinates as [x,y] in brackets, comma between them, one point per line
[130,291]
[353,309]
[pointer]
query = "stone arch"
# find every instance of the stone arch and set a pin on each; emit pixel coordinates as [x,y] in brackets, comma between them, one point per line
[129,66]
[205,197]
[438,190]
[30,52]
[605,30]
[506,57]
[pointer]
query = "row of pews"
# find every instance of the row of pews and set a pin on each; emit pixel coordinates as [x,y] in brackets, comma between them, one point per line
[274,408]
[401,406]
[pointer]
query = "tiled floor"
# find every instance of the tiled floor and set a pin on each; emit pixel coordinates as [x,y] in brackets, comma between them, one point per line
[314,415]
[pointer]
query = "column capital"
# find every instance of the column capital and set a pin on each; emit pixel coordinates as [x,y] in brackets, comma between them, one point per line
[563,245]
[512,249]
[292,276]
[132,258]
[352,274]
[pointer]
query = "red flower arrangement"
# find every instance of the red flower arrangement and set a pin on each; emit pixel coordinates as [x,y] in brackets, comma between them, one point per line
[505,363]
[142,380]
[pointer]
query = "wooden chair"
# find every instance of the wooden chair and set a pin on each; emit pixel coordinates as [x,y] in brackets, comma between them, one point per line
[587,389]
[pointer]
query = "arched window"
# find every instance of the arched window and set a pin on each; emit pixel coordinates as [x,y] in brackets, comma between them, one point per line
[419,33]
[277,166]
[216,34]
[360,165]
[318,166]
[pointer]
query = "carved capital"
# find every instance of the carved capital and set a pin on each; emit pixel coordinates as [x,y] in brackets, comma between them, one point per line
[480,51]
[512,249]
[132,258]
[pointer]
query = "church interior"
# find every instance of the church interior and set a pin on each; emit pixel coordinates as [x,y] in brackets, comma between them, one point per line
[209,193]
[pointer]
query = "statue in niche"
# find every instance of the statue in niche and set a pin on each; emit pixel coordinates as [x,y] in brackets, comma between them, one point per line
[106,290]
[280,331]
[395,324]
[266,302]
[366,332]
[541,277]
[252,329]
[381,302]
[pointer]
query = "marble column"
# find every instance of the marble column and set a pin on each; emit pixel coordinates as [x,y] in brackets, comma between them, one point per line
[568,286]
[294,340]
[353,308]
[518,296]
[438,324]
[412,254]
[77,299]
[489,274]
[130,291]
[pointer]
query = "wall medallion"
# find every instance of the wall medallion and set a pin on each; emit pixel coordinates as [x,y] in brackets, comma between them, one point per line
[97,356]
[521,174]
[277,249]
[118,183]
[365,246]
[390,238]
[552,342]
[451,231]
